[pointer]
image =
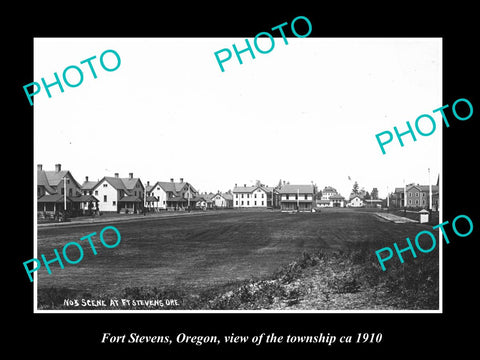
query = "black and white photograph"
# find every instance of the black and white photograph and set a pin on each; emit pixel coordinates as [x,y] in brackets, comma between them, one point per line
[262,187]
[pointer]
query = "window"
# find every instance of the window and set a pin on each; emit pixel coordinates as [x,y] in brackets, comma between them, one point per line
[286,197]
[105,185]
[70,192]
[242,198]
[63,191]
[416,201]
[236,196]
[262,203]
[263,196]
[236,202]
[242,202]
[255,202]
[96,192]
[114,203]
[255,196]
[135,193]
[248,202]
[410,201]
[416,194]
[306,197]
[104,198]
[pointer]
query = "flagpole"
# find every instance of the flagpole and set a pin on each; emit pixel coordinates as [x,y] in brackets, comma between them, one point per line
[429,191]
[65,193]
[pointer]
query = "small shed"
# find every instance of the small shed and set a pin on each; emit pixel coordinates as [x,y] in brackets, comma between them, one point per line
[424,216]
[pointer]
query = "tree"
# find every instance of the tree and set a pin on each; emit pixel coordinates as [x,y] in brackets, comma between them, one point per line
[355,188]
[374,193]
[367,196]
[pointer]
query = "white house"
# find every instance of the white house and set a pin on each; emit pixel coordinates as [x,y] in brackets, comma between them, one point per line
[117,194]
[330,198]
[171,195]
[250,196]
[356,201]
[222,200]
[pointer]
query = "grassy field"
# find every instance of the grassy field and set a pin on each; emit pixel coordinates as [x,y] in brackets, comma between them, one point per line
[189,257]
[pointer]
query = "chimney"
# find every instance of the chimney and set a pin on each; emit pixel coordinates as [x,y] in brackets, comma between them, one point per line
[39,167]
[116,175]
[86,178]
[148,183]
[235,184]
[131,175]
[181,180]
[171,179]
[58,167]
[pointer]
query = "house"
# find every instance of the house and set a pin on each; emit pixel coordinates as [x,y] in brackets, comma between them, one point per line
[252,196]
[330,198]
[121,195]
[58,191]
[297,197]
[222,200]
[172,195]
[356,200]
[417,196]
[203,201]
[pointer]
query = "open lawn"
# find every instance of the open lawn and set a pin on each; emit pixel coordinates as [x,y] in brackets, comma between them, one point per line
[195,253]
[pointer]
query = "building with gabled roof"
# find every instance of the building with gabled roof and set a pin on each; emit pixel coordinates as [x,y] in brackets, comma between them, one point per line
[222,200]
[417,196]
[297,197]
[257,196]
[58,191]
[118,194]
[171,195]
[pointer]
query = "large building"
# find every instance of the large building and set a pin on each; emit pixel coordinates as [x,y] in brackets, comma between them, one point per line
[297,197]
[252,196]
[116,194]
[417,196]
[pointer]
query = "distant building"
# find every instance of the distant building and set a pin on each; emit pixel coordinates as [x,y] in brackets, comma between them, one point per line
[222,200]
[172,195]
[330,198]
[121,195]
[58,189]
[356,200]
[297,197]
[251,196]
[417,197]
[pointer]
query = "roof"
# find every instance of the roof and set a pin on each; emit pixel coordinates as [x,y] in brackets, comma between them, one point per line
[420,187]
[337,196]
[84,198]
[151,198]
[356,196]
[174,187]
[323,201]
[329,189]
[245,189]
[88,185]
[126,184]
[56,198]
[48,179]
[292,189]
[130,198]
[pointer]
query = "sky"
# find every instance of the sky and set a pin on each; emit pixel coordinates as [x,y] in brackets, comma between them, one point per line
[305,112]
